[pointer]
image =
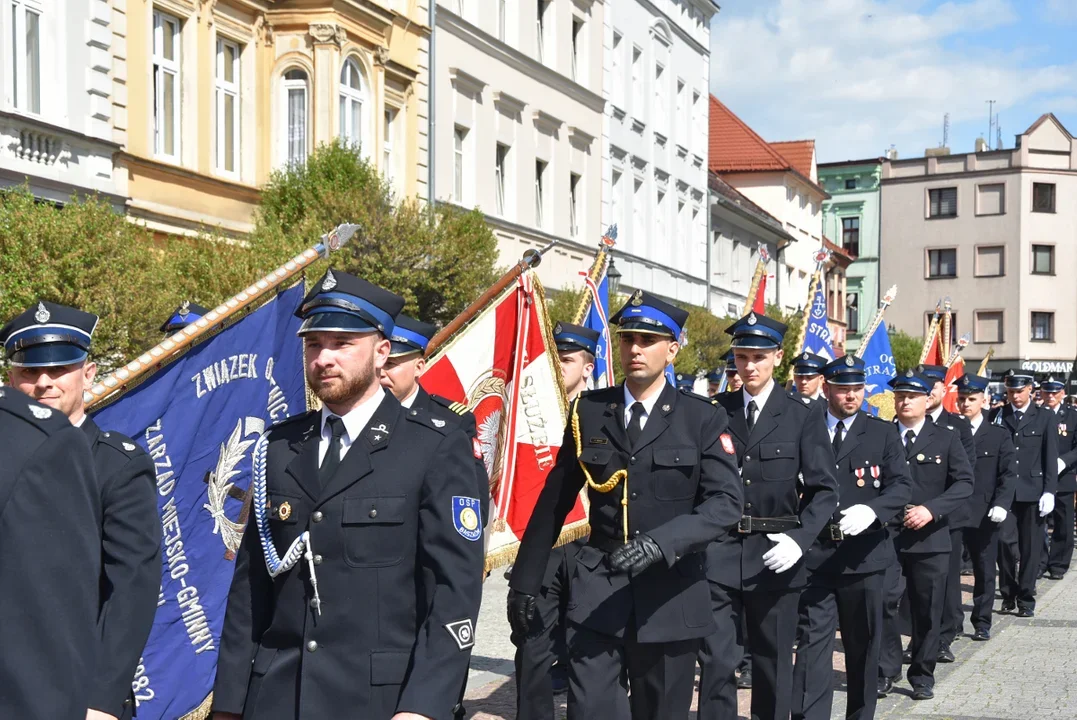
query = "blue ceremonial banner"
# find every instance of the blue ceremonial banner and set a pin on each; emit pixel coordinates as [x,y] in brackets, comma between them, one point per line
[879,370]
[598,319]
[199,419]
[817,334]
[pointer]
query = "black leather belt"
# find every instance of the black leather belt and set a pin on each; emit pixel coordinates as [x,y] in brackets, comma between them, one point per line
[833,531]
[749,524]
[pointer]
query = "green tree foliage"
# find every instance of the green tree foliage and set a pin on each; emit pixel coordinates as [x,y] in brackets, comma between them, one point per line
[439,267]
[795,321]
[906,349]
[563,304]
[707,341]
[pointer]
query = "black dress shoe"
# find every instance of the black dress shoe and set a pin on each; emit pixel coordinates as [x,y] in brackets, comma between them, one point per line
[1008,606]
[744,682]
[945,654]
[981,635]
[1056,575]
[1026,612]
[885,686]
[906,657]
[922,693]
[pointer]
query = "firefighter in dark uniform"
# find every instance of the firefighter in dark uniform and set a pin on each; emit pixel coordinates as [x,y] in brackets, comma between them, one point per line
[542,656]
[848,561]
[988,506]
[356,506]
[757,569]
[1061,537]
[714,382]
[952,615]
[48,346]
[50,567]
[187,313]
[808,376]
[1034,432]
[662,479]
[733,381]
[942,480]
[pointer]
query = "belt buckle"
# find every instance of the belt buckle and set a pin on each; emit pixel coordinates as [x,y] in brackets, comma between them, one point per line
[836,534]
[745,524]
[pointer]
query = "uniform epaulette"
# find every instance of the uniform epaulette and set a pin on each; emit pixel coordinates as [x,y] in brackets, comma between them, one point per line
[459,408]
[877,418]
[36,414]
[420,416]
[794,395]
[119,441]
[290,419]
[689,393]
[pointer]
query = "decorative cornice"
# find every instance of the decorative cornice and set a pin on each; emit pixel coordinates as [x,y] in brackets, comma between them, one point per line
[327,33]
[579,137]
[508,104]
[466,82]
[381,55]
[547,123]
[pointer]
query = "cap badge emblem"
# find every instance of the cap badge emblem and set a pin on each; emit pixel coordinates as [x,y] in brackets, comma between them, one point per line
[752,319]
[849,360]
[909,373]
[330,281]
[558,329]
[185,309]
[42,315]
[637,298]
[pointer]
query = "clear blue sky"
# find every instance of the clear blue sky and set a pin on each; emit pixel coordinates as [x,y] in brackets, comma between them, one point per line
[861,75]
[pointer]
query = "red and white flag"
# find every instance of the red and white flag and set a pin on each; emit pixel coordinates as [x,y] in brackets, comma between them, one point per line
[955,371]
[503,365]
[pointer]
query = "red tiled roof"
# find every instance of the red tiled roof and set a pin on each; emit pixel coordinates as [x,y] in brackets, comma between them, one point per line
[736,147]
[798,152]
[844,257]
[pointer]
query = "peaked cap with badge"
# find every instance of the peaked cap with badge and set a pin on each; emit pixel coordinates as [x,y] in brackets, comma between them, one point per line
[968,384]
[570,338]
[848,370]
[911,382]
[410,336]
[48,335]
[808,363]
[649,314]
[187,313]
[758,332]
[1052,384]
[730,362]
[935,373]
[341,302]
[1017,379]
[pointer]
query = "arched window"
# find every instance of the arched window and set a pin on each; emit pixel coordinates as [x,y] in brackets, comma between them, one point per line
[353,105]
[294,116]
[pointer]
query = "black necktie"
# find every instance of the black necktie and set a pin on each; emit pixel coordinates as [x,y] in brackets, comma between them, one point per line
[910,438]
[752,410]
[839,432]
[1017,416]
[331,461]
[635,423]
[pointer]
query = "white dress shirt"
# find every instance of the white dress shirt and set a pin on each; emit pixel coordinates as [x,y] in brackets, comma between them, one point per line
[977,423]
[648,406]
[355,422]
[832,424]
[410,399]
[936,412]
[902,429]
[760,399]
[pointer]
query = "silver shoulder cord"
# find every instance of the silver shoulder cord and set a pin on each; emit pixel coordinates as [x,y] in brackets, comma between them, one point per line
[300,547]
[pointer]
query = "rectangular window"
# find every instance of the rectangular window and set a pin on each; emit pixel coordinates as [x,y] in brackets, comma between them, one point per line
[698,129]
[617,74]
[540,197]
[850,234]
[227,91]
[942,202]
[387,144]
[26,55]
[660,106]
[990,199]
[459,138]
[942,263]
[615,197]
[166,85]
[1043,259]
[574,190]
[294,116]
[988,326]
[501,157]
[990,261]
[1043,197]
[682,119]
[850,184]
[637,82]
[577,49]
[540,28]
[852,312]
[639,202]
[660,215]
[1043,326]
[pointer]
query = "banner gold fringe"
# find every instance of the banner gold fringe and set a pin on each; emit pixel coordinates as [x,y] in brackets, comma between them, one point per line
[507,555]
[201,712]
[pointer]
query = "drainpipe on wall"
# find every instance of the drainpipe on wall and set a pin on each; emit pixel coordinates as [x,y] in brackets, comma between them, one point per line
[710,234]
[430,98]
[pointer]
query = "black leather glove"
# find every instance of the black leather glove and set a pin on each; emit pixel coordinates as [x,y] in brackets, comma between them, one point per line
[636,556]
[521,611]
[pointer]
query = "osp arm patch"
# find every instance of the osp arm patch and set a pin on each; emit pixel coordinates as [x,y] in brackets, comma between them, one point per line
[727,444]
[465,517]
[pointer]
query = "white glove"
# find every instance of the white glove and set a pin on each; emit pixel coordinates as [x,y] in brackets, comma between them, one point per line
[1061,466]
[996,514]
[856,519]
[784,555]
[1047,504]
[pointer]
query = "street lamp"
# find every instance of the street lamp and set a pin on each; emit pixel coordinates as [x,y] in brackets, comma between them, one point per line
[614,276]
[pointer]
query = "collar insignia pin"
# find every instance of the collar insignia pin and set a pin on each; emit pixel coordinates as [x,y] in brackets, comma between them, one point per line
[437,423]
[665,408]
[129,447]
[41,413]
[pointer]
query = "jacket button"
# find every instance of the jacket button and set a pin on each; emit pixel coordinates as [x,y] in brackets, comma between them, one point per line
[747,458]
[317,559]
[676,459]
[747,482]
[314,605]
[634,495]
[747,506]
[632,459]
[373,512]
[317,516]
[312,646]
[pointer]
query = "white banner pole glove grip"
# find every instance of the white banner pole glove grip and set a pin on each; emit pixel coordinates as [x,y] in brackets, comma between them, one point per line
[996,514]
[1047,504]
[856,519]
[782,556]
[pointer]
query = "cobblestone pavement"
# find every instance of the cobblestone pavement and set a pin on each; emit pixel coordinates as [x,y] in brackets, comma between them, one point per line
[1027,670]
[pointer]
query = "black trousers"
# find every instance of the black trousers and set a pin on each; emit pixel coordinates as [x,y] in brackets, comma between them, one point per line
[925,578]
[1058,559]
[1020,545]
[661,676]
[535,655]
[983,545]
[953,616]
[771,622]
[890,649]
[853,603]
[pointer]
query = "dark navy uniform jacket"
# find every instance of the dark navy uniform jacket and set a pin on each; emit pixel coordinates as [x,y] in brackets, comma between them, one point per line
[871,470]
[50,564]
[942,482]
[994,473]
[131,564]
[1036,439]
[1066,419]
[385,522]
[959,424]
[682,492]
[787,469]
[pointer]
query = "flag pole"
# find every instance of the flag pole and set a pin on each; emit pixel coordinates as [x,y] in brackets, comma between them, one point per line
[152,360]
[820,259]
[757,276]
[598,267]
[983,363]
[888,298]
[531,259]
[947,328]
[931,331]
[962,343]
